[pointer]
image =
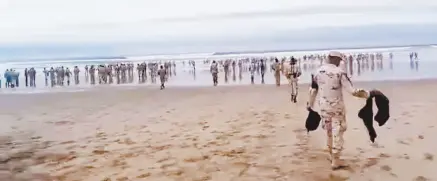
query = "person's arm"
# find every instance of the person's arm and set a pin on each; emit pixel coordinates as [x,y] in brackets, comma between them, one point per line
[314,88]
[347,84]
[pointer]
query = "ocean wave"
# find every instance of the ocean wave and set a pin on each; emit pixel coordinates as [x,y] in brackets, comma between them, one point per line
[170,57]
[195,56]
[37,91]
[55,62]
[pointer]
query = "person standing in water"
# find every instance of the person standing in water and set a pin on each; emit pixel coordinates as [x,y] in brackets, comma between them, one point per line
[26,77]
[46,75]
[8,78]
[91,74]
[162,76]
[68,75]
[277,68]
[52,77]
[86,73]
[263,70]
[76,72]
[328,82]
[32,77]
[252,70]
[214,72]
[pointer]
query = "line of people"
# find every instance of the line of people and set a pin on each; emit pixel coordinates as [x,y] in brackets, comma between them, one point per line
[123,73]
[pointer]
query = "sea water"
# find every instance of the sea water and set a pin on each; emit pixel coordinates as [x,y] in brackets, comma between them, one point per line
[401,69]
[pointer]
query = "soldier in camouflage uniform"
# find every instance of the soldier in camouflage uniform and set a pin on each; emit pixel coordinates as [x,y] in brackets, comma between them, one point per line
[328,82]
[293,74]
[277,68]
[214,72]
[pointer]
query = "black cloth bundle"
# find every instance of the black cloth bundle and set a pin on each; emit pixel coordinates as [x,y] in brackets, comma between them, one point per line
[313,120]
[365,113]
[383,114]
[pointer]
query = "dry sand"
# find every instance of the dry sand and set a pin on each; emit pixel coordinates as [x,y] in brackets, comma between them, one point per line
[216,133]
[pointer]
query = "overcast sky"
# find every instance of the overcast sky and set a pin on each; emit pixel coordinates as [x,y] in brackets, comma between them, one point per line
[110,21]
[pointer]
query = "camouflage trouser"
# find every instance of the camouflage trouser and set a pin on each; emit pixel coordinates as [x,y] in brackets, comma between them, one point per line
[215,78]
[278,78]
[162,79]
[294,86]
[335,125]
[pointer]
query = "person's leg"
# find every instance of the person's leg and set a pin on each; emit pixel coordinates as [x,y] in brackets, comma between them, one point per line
[294,90]
[277,79]
[162,82]
[327,126]
[215,79]
[338,128]
[262,77]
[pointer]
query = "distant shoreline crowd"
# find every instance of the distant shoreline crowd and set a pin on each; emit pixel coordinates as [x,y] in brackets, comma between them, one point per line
[123,73]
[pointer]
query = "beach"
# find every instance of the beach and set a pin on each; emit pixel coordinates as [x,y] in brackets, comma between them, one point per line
[246,132]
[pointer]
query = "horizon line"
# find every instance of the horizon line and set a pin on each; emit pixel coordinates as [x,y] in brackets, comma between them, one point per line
[224,53]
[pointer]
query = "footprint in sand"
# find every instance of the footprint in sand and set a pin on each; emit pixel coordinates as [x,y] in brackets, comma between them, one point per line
[56,158]
[173,171]
[64,123]
[100,152]
[129,155]
[196,159]
[383,155]
[100,134]
[371,162]
[168,163]
[287,116]
[36,137]
[161,147]
[386,168]
[67,142]
[405,156]
[421,178]
[118,163]
[403,142]
[126,141]
[145,175]
[122,179]
[429,156]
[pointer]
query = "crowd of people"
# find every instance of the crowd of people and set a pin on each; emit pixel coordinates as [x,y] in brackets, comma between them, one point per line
[123,73]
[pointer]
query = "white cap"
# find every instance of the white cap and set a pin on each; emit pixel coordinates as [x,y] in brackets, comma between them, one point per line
[335,54]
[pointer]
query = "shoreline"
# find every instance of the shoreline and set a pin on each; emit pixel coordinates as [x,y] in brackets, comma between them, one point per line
[121,87]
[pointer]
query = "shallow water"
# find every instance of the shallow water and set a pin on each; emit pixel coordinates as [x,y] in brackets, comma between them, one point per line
[397,69]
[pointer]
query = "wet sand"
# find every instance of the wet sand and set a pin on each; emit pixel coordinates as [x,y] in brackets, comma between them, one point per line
[211,133]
